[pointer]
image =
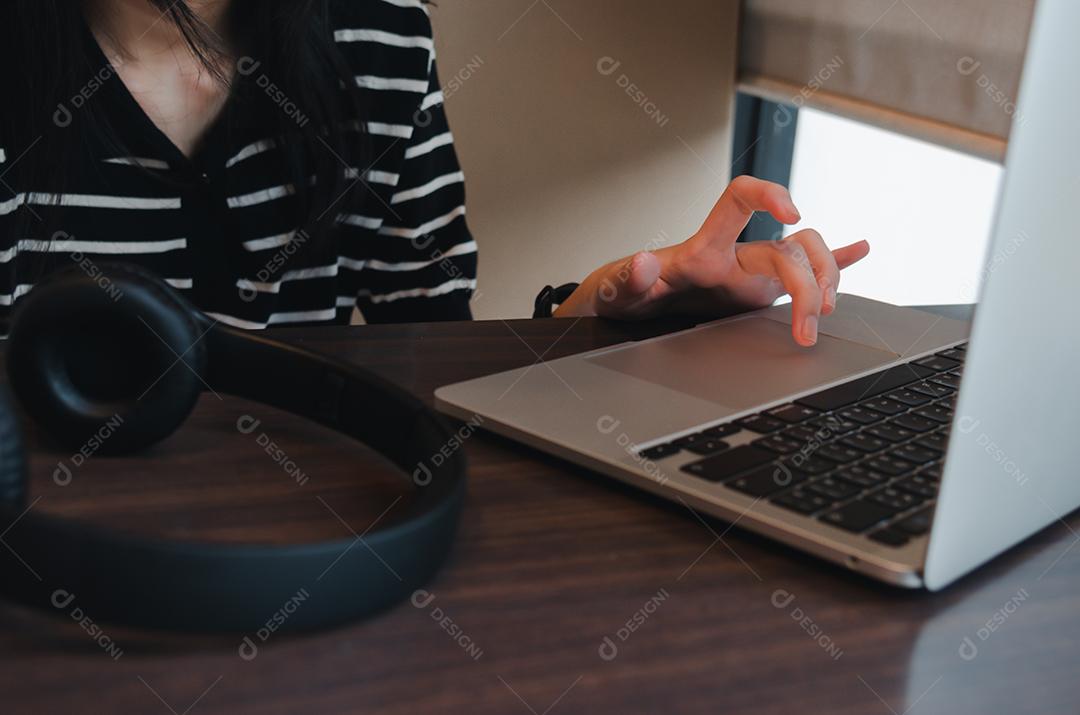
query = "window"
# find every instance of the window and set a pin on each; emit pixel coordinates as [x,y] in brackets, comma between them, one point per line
[926,210]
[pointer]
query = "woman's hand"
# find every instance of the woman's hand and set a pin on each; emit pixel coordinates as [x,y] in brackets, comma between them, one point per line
[711,275]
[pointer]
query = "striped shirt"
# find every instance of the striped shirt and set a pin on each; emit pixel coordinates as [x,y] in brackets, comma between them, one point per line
[223,227]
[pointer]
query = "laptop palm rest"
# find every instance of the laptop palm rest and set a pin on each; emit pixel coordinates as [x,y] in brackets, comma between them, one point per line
[741,364]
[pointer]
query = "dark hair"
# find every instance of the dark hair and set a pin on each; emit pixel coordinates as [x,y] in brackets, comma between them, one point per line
[50,59]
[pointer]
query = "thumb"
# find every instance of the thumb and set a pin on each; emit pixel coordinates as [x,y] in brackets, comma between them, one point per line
[627,282]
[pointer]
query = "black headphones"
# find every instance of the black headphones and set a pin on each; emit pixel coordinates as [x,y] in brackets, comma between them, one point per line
[102,346]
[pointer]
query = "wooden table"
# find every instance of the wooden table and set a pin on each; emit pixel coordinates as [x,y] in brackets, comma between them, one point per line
[551,561]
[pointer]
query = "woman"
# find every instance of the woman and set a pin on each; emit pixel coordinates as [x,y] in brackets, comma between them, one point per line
[287,161]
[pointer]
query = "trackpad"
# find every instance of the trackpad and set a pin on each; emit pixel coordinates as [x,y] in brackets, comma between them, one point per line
[742,363]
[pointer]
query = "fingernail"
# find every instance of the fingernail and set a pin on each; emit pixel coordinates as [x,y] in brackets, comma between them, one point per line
[810,329]
[830,299]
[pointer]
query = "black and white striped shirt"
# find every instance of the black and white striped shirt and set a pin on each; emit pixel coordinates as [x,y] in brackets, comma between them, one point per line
[223,227]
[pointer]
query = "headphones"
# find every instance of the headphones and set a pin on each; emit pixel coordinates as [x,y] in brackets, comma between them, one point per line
[105,346]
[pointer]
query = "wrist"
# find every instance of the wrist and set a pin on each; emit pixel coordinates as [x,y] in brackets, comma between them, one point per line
[580,303]
[551,297]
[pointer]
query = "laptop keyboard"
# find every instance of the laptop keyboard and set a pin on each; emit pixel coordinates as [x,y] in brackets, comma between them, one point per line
[864,456]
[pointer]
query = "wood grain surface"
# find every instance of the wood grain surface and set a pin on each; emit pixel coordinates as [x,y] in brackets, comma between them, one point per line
[550,561]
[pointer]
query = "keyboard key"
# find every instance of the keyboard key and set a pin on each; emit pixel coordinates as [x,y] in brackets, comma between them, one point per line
[924,487]
[834,425]
[938,363]
[707,446]
[762,424]
[766,480]
[889,537]
[727,464]
[888,465]
[955,354]
[834,489]
[864,442]
[659,451]
[804,434]
[933,471]
[936,413]
[851,392]
[916,525]
[838,453]
[861,415]
[915,423]
[779,443]
[929,480]
[810,465]
[793,414]
[896,499]
[885,407]
[931,389]
[908,397]
[890,432]
[803,502]
[935,441]
[722,431]
[947,379]
[915,453]
[858,516]
[862,476]
[688,439]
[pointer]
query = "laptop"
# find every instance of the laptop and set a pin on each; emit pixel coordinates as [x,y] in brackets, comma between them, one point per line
[906,446]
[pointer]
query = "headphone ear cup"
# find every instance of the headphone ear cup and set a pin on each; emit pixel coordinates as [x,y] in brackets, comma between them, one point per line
[12,457]
[110,360]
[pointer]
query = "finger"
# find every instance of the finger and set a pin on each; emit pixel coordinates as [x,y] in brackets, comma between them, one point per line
[744,196]
[627,282]
[823,265]
[788,262]
[850,255]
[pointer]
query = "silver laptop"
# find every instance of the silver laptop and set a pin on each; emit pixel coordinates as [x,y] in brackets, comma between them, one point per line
[906,446]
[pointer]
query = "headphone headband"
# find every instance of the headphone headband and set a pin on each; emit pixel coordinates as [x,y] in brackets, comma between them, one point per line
[206,587]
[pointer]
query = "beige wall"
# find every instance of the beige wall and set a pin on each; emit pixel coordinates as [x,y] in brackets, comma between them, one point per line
[565,170]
